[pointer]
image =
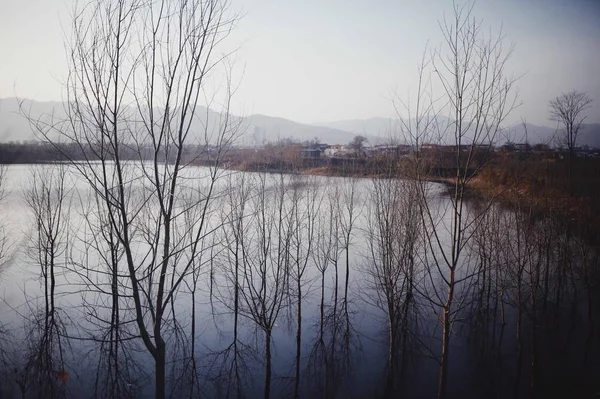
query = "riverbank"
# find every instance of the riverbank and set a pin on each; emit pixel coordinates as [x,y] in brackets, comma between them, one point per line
[539,186]
[543,186]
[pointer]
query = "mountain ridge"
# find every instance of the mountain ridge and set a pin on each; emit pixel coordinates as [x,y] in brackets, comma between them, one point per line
[532,133]
[259,129]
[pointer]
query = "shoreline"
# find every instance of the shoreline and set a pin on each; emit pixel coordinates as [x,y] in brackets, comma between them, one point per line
[576,211]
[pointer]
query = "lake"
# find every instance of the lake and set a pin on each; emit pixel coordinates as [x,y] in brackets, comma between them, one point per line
[255,299]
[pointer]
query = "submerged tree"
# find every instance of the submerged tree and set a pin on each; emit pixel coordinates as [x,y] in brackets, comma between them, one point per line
[306,199]
[264,275]
[138,71]
[475,98]
[48,198]
[350,211]
[394,241]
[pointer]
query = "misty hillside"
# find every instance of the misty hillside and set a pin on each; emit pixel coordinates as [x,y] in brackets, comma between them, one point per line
[262,128]
[382,127]
[14,127]
[256,129]
[588,135]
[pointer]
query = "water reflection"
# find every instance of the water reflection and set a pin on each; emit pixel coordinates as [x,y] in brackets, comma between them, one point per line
[307,287]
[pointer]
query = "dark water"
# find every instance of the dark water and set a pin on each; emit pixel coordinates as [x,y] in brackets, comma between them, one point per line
[524,319]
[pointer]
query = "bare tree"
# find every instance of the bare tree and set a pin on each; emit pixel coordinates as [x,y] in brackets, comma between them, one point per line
[267,260]
[48,199]
[96,257]
[326,250]
[568,109]
[236,237]
[358,145]
[350,211]
[42,350]
[306,201]
[476,96]
[394,240]
[324,256]
[138,72]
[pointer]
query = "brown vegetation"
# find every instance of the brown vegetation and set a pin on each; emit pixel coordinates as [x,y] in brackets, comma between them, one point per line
[539,180]
[543,185]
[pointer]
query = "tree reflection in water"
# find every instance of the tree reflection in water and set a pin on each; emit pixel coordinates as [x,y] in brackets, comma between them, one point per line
[527,325]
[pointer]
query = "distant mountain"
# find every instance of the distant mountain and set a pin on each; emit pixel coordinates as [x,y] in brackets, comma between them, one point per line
[259,129]
[14,127]
[374,127]
[588,135]
[256,129]
[262,128]
[391,128]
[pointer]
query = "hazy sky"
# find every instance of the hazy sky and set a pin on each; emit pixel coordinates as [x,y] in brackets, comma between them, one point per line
[324,60]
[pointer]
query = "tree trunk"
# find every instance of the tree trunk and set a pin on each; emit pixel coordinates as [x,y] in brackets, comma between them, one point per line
[347,274]
[160,366]
[442,388]
[322,308]
[445,350]
[391,356]
[298,342]
[268,364]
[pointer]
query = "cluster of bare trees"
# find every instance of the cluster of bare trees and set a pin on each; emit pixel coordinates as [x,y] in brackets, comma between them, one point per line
[47,198]
[138,71]
[534,279]
[284,237]
[146,222]
[395,240]
[464,95]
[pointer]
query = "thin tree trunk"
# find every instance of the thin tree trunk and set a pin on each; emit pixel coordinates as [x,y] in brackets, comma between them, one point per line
[268,364]
[347,274]
[322,308]
[443,382]
[298,341]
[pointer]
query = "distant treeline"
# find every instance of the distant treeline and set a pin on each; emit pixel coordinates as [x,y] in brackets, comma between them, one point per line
[11,153]
[41,152]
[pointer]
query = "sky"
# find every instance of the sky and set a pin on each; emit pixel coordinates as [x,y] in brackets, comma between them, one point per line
[326,60]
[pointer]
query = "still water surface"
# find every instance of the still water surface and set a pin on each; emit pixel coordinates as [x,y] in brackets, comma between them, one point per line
[527,324]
